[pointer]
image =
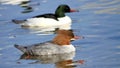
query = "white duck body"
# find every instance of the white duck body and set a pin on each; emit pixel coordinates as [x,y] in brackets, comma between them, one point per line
[46,48]
[50,21]
[41,22]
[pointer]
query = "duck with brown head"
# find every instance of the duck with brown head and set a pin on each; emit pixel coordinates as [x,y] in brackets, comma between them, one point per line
[63,37]
[60,44]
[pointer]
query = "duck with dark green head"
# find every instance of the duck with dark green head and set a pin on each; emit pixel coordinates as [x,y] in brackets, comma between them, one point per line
[49,20]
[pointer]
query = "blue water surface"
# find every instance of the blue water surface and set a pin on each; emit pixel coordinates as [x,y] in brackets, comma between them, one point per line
[98,21]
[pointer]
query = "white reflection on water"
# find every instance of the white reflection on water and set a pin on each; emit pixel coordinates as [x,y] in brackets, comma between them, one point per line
[26,4]
[12,2]
[50,58]
[60,60]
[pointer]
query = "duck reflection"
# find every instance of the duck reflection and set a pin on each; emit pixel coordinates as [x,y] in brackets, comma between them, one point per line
[12,2]
[49,58]
[60,60]
[41,30]
[26,4]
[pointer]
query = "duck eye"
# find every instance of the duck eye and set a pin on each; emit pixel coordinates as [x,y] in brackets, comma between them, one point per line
[58,7]
[67,9]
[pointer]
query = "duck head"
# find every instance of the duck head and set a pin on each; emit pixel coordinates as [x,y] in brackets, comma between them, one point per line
[62,9]
[64,37]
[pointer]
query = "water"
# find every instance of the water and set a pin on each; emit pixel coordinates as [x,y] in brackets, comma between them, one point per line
[97,21]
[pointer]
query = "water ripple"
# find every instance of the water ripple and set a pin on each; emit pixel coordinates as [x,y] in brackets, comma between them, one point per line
[100,7]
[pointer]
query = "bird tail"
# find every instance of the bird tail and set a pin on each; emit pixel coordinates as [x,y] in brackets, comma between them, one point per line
[18,21]
[21,48]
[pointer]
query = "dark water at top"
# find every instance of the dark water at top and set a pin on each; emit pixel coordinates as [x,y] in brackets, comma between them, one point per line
[97,20]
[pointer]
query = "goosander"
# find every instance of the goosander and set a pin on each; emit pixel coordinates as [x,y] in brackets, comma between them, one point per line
[57,20]
[59,45]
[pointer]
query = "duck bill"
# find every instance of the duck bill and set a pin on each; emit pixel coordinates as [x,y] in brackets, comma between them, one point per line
[75,38]
[74,10]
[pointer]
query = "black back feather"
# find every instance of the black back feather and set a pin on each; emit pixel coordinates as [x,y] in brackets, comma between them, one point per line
[53,16]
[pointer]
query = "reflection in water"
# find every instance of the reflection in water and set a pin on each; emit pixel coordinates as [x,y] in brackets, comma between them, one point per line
[12,2]
[103,6]
[68,63]
[28,7]
[50,58]
[40,30]
[60,60]
[98,21]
